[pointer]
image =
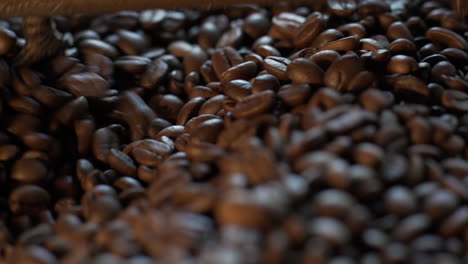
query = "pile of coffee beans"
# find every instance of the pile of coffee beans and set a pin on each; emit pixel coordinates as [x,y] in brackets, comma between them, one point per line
[281,134]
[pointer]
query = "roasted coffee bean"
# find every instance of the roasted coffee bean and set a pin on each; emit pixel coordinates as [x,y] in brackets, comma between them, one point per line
[326,37]
[372,7]
[254,104]
[100,65]
[256,25]
[341,71]
[242,71]
[410,85]
[285,25]
[277,66]
[455,100]
[86,84]
[342,8]
[398,30]
[294,94]
[265,82]
[121,162]
[400,201]
[189,110]
[194,59]
[28,199]
[309,30]
[446,37]
[89,46]
[304,71]
[155,72]
[402,64]
[166,106]
[29,171]
[341,45]
[333,232]
[136,113]
[104,140]
[238,89]
[7,41]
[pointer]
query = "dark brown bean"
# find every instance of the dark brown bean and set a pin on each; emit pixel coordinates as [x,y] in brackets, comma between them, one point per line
[155,73]
[189,110]
[342,8]
[28,199]
[309,30]
[243,71]
[254,104]
[455,100]
[341,71]
[121,162]
[277,66]
[86,84]
[398,30]
[304,71]
[446,37]
[294,94]
[265,82]
[402,64]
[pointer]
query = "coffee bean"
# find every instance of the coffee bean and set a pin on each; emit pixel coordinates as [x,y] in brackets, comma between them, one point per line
[400,201]
[86,84]
[265,82]
[333,232]
[372,7]
[155,73]
[189,110]
[440,204]
[342,8]
[7,41]
[29,171]
[166,106]
[399,30]
[446,37]
[121,162]
[89,46]
[24,104]
[285,25]
[402,64]
[233,37]
[411,85]
[304,71]
[242,71]
[256,25]
[341,71]
[309,30]
[455,100]
[136,113]
[344,44]
[277,66]
[238,89]
[326,37]
[28,199]
[254,104]
[194,59]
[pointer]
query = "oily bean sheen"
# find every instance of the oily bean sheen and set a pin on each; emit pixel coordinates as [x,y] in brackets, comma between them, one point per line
[254,104]
[329,131]
[309,30]
[341,71]
[304,71]
[277,66]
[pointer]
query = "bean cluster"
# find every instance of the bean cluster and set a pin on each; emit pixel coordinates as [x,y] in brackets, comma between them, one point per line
[245,135]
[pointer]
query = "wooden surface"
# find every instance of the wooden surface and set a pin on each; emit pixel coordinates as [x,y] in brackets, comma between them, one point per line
[11,8]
